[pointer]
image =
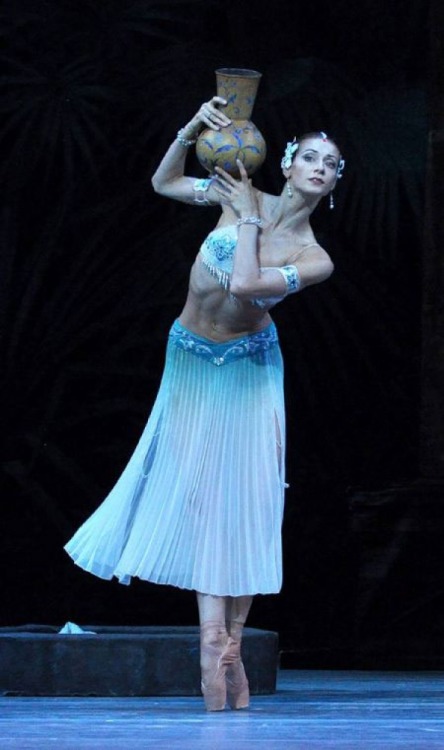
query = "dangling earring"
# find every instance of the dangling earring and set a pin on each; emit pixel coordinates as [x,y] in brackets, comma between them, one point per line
[289,190]
[332,201]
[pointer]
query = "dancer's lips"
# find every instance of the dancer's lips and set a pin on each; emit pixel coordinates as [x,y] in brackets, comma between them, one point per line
[317,180]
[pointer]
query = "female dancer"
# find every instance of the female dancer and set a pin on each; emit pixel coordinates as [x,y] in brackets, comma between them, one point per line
[200,504]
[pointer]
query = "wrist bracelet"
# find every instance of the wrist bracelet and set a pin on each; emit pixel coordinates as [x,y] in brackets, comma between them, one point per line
[250,220]
[184,141]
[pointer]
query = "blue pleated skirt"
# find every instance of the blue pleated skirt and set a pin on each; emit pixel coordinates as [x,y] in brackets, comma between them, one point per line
[200,503]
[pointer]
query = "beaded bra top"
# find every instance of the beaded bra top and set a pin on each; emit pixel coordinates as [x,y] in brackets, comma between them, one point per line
[217,255]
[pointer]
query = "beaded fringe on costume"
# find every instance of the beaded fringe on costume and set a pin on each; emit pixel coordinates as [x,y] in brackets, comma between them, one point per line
[200,503]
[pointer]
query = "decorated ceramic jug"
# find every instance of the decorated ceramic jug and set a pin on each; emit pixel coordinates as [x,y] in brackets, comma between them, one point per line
[240,140]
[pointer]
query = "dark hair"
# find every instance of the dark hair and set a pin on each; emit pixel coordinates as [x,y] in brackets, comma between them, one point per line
[321,136]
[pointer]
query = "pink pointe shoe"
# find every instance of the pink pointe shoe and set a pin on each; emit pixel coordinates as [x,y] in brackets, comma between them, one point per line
[213,647]
[238,691]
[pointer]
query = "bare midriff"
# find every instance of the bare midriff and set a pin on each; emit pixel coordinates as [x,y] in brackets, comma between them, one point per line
[211,312]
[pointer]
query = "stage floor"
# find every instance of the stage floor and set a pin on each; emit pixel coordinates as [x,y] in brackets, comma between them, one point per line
[311,710]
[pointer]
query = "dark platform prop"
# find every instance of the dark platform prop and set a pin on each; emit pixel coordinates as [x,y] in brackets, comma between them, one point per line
[120,661]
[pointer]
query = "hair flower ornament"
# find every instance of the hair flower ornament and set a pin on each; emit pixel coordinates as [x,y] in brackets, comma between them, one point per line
[289,153]
[340,168]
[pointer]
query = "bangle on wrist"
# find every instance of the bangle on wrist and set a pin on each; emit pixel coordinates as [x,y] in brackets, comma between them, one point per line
[249,220]
[185,142]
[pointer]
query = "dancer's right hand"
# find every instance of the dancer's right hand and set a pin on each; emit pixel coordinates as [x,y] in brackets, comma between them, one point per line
[209,115]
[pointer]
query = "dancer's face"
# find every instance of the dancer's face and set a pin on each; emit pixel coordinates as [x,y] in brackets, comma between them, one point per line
[314,168]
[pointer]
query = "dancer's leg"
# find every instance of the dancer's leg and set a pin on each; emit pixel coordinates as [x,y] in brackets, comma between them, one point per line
[237,610]
[211,608]
[213,646]
[237,684]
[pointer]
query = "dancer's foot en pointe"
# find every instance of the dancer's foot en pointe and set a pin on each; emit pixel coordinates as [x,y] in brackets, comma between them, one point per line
[213,652]
[223,675]
[238,692]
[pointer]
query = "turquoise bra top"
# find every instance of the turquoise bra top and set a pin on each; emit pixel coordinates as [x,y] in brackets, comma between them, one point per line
[217,255]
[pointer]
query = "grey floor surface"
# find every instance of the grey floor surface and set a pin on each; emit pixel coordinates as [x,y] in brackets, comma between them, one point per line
[311,710]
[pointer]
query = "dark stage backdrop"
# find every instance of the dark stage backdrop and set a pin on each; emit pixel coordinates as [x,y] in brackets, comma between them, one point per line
[94,266]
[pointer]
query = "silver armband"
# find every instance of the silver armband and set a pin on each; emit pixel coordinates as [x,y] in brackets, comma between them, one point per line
[200,188]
